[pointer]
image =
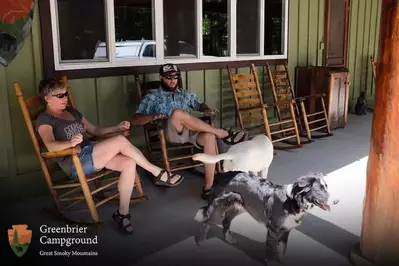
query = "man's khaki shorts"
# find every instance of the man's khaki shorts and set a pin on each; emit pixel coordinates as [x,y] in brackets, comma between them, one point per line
[186,136]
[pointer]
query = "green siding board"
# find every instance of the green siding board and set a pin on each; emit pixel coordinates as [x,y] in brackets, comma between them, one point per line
[196,83]
[320,32]
[212,93]
[5,134]
[303,31]
[112,105]
[85,97]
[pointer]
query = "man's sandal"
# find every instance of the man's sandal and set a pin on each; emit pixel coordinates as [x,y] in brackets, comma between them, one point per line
[168,183]
[234,137]
[120,218]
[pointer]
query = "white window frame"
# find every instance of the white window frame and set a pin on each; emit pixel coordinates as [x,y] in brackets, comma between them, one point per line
[159,35]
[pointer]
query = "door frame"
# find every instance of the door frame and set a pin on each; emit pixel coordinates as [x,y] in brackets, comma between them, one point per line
[327,13]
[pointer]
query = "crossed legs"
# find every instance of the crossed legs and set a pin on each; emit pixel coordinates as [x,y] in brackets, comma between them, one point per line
[206,138]
[119,154]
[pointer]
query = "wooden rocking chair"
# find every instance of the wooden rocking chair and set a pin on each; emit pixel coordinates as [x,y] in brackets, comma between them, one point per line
[174,156]
[307,122]
[252,111]
[68,193]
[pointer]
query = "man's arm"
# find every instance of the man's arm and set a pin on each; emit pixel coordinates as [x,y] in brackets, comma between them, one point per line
[142,119]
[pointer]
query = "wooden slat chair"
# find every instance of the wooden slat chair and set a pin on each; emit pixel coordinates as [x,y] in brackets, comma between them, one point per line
[252,111]
[68,193]
[281,85]
[173,156]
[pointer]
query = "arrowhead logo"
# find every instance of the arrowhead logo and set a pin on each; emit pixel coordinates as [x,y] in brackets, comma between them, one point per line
[19,238]
[15,25]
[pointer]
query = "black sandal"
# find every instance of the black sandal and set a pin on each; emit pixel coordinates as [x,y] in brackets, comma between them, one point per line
[157,180]
[232,139]
[119,218]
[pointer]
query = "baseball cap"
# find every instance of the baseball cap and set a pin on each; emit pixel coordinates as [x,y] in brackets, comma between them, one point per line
[168,68]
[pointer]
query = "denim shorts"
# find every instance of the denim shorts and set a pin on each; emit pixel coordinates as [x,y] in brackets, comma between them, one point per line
[86,159]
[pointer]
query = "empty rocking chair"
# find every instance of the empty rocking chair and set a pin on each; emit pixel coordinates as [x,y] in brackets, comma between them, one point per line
[307,122]
[252,111]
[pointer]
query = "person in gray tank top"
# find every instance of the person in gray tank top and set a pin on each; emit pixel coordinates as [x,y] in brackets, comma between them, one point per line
[61,127]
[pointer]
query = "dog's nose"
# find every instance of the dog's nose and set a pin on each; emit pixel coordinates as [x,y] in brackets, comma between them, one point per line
[335,202]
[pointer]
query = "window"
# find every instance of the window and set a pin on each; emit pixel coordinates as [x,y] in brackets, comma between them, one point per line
[125,33]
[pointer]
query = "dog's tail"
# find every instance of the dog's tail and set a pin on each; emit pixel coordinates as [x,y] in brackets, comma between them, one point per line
[201,215]
[206,158]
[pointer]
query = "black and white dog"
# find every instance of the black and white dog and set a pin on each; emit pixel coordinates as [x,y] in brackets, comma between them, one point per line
[279,207]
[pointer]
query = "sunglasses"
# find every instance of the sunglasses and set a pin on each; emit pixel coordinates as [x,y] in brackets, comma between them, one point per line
[171,77]
[60,95]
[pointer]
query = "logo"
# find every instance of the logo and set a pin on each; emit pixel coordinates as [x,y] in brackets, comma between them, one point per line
[16,18]
[19,238]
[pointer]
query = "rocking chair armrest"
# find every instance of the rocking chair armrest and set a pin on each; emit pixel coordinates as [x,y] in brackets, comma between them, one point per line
[125,133]
[66,152]
[317,95]
[278,103]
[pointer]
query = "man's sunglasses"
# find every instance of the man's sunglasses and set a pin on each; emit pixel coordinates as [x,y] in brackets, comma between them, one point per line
[171,77]
[60,95]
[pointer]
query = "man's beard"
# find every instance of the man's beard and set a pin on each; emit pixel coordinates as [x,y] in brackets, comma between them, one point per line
[167,87]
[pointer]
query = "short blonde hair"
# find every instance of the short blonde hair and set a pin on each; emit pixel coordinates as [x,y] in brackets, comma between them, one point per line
[47,86]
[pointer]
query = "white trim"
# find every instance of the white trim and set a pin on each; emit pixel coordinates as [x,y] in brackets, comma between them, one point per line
[54,33]
[285,21]
[199,29]
[261,27]
[159,36]
[157,6]
[110,24]
[232,28]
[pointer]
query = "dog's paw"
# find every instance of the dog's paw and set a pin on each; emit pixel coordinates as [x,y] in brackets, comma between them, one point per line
[230,239]
[199,239]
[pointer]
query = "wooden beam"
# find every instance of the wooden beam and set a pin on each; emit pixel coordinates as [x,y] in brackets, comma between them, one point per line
[379,242]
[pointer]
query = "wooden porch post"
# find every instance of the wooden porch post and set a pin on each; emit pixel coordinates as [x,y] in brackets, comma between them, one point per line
[379,242]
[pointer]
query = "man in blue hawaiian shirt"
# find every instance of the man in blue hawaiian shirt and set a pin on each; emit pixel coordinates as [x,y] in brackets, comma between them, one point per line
[174,103]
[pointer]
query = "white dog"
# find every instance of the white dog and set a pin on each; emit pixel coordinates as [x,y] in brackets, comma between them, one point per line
[250,156]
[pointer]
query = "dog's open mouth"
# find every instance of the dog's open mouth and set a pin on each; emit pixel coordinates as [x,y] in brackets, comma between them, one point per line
[322,205]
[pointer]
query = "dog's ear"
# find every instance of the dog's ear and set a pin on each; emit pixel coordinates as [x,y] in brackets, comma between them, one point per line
[303,185]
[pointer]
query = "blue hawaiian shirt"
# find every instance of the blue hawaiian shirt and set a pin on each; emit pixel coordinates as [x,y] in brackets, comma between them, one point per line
[163,102]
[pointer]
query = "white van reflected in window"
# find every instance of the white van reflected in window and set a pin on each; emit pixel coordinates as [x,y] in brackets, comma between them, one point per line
[141,50]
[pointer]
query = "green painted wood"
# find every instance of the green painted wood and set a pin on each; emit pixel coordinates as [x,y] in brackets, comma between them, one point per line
[85,97]
[195,83]
[111,101]
[293,38]
[5,133]
[21,70]
[303,32]
[363,43]
[320,32]
[313,41]
[212,92]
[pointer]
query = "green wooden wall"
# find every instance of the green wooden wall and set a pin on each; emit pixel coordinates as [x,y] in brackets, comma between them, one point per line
[106,101]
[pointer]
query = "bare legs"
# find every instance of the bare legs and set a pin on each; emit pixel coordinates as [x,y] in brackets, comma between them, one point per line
[182,119]
[119,154]
[208,141]
[206,138]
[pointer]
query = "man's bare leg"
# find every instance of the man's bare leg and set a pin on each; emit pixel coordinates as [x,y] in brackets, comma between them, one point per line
[182,119]
[208,141]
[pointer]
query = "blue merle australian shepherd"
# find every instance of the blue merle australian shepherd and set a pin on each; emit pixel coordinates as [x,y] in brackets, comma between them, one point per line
[279,207]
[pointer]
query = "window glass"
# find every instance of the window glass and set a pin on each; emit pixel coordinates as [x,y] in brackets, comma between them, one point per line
[134,28]
[215,28]
[82,29]
[180,28]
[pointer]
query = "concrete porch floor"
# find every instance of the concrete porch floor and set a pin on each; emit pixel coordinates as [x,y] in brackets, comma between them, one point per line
[165,226]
